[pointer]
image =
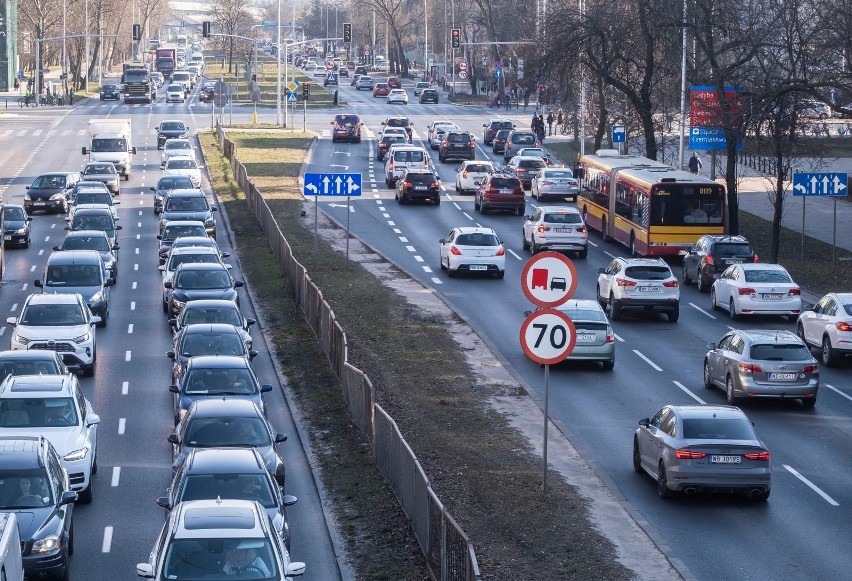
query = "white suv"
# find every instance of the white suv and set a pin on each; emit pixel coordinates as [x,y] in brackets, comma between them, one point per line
[470,172]
[61,323]
[53,406]
[403,158]
[557,228]
[645,284]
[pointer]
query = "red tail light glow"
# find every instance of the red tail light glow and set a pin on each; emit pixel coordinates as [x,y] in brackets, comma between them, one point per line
[810,369]
[582,230]
[455,250]
[751,367]
[746,291]
[670,283]
[406,184]
[433,185]
[708,258]
[624,282]
[689,455]
[843,326]
[500,252]
[795,291]
[763,455]
[756,258]
[543,229]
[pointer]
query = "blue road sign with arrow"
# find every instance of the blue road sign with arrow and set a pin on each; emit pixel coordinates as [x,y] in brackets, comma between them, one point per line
[619,135]
[820,184]
[332,184]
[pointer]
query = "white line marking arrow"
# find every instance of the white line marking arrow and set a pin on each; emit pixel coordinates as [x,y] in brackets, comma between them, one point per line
[351,208]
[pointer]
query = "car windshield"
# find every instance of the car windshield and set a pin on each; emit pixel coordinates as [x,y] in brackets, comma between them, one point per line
[203,279]
[48,182]
[172,125]
[38,412]
[178,145]
[420,178]
[93,198]
[98,243]
[505,183]
[729,249]
[458,138]
[648,272]
[92,222]
[396,122]
[848,308]
[558,174]
[767,276]
[501,135]
[182,164]
[416,156]
[476,239]
[531,163]
[717,429]
[347,119]
[172,232]
[219,381]
[178,259]
[109,144]
[584,314]
[201,559]
[478,168]
[189,204]
[195,344]
[28,367]
[52,315]
[231,486]
[523,139]
[780,352]
[99,169]
[393,138]
[72,275]
[225,432]
[562,218]
[501,125]
[11,213]
[174,183]
[217,315]
[21,489]
[110,88]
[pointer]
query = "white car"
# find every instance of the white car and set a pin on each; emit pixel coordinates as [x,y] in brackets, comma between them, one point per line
[183,166]
[394,131]
[644,284]
[756,289]
[471,172]
[364,82]
[827,326]
[418,88]
[398,96]
[560,229]
[175,93]
[473,250]
[54,406]
[176,148]
[60,322]
[534,152]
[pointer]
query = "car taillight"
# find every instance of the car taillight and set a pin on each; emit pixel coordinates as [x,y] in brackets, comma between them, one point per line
[708,258]
[843,326]
[810,369]
[756,258]
[543,229]
[547,183]
[472,145]
[455,250]
[762,455]
[689,455]
[751,367]
[390,165]
[624,282]
[446,143]
[500,252]
[610,335]
[433,185]
[670,283]
[582,230]
[521,170]
[794,291]
[746,291]
[406,184]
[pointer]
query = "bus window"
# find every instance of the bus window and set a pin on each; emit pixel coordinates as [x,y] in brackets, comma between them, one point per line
[678,205]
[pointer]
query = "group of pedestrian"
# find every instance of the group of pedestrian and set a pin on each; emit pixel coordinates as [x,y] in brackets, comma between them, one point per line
[537,126]
[47,97]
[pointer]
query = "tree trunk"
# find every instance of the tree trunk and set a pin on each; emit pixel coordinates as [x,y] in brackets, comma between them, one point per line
[731,184]
[778,207]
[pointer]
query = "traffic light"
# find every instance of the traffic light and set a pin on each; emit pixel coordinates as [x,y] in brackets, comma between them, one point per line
[455,36]
[205,29]
[347,32]
[137,32]
[306,91]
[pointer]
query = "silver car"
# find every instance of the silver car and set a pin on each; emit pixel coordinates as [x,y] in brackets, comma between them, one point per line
[560,229]
[702,448]
[556,183]
[595,337]
[757,363]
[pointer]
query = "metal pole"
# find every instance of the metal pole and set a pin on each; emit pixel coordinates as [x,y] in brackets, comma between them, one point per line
[86,69]
[425,37]
[546,417]
[64,45]
[804,201]
[682,136]
[348,211]
[834,240]
[582,93]
[278,71]
[36,84]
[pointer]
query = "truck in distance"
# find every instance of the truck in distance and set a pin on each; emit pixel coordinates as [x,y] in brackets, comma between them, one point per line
[110,140]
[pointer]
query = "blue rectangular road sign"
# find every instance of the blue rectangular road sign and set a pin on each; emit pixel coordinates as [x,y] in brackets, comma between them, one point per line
[820,184]
[332,184]
[619,135]
[706,138]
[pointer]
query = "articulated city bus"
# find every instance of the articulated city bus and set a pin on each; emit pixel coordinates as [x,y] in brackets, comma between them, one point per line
[650,207]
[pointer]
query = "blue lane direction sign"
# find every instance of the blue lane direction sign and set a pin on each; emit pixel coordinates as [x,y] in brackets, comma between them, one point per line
[332,184]
[619,135]
[820,184]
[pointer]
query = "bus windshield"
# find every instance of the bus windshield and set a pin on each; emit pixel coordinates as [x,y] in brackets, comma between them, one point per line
[686,204]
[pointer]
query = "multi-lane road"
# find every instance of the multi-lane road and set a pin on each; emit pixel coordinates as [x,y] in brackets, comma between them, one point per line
[130,387]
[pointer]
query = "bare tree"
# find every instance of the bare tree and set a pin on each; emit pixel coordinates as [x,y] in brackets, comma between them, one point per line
[230,16]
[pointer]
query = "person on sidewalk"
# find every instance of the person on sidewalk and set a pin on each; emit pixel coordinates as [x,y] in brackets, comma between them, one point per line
[71,96]
[27,96]
[550,120]
[694,164]
[559,119]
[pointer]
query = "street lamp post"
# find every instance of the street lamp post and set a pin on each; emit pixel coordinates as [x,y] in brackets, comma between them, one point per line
[278,72]
[425,39]
[64,48]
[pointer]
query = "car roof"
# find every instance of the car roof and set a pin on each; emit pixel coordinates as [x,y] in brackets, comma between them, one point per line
[180,250]
[708,411]
[21,451]
[559,209]
[770,335]
[59,173]
[202,266]
[844,298]
[187,193]
[184,223]
[93,209]
[726,238]
[761,266]
[224,407]
[500,120]
[224,460]
[521,158]
[74,257]
[642,261]
[204,328]
[31,355]
[86,234]
[218,518]
[44,386]
[180,157]
[53,299]
[218,362]
[581,305]
[211,304]
[475,230]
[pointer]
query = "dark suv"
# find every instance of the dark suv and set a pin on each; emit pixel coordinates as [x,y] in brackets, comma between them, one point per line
[403,122]
[429,96]
[457,145]
[36,487]
[518,139]
[501,192]
[492,127]
[711,255]
[418,185]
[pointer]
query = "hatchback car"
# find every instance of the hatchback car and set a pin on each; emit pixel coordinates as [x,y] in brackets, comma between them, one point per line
[457,145]
[702,448]
[756,364]
[183,255]
[189,205]
[472,250]
[80,272]
[518,139]
[493,126]
[170,129]
[500,191]
[711,255]
[217,376]
[183,166]
[49,192]
[526,168]
[560,229]
[595,337]
[643,284]
[175,93]
[346,127]
[201,242]
[95,217]
[176,148]
[498,143]
[554,183]
[470,173]
[174,230]
[827,326]
[381,90]
[105,172]
[17,229]
[94,196]
[194,281]
[54,406]
[394,83]
[364,82]
[420,87]
[436,130]
[429,96]
[386,141]
[397,97]
[418,185]
[213,311]
[165,185]
[96,240]
[756,289]
[110,92]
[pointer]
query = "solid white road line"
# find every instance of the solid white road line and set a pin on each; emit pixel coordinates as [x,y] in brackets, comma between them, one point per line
[618,338]
[700,310]
[689,393]
[648,361]
[592,243]
[811,485]
[116,475]
[610,254]
[107,544]
[838,392]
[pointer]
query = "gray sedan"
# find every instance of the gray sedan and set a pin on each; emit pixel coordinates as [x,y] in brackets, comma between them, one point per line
[595,337]
[757,363]
[710,448]
[555,182]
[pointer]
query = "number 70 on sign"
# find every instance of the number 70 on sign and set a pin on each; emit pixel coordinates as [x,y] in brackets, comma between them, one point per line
[548,336]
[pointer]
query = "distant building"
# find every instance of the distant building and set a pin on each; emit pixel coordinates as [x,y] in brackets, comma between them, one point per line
[8,43]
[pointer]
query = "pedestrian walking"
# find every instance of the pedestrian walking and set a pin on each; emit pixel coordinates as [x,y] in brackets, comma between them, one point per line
[550,119]
[526,99]
[508,100]
[534,123]
[71,97]
[559,119]
[27,96]
[694,163]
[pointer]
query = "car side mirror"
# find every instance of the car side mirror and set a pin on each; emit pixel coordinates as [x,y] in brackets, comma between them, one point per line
[485,124]
[92,420]
[84,153]
[67,228]
[164,502]
[162,268]
[265,388]
[56,247]
[441,241]
[133,151]
[683,252]
[109,282]
[38,284]
[28,219]
[710,346]
[644,422]
[145,570]
[527,313]
[807,307]
[118,227]
[252,354]
[173,438]
[95,320]
[116,247]
[226,254]
[527,217]
[173,322]
[153,189]
[280,438]
[12,321]
[170,354]
[159,237]
[214,209]
[68,497]
[168,284]
[251,322]
[174,389]
[116,202]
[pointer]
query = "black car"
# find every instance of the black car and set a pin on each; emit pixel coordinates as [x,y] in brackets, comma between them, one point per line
[32,362]
[492,127]
[429,96]
[87,185]
[385,142]
[207,339]
[97,240]
[207,91]
[230,473]
[194,281]
[16,226]
[213,311]
[110,91]
[418,185]
[49,192]
[95,217]
[36,487]
[343,72]
[165,185]
[189,204]
[402,122]
[170,129]
[711,255]
[457,145]
[498,143]
[174,230]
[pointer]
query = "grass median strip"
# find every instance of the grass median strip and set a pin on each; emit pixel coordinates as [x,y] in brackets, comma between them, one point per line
[484,471]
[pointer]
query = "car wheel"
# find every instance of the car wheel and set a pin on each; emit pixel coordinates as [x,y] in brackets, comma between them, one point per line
[458,189]
[103,322]
[27,242]
[608,365]
[85,496]
[500,274]
[800,331]
[685,277]
[534,249]
[633,245]
[450,272]
[71,540]
[614,309]
[438,201]
[708,378]
[663,483]
[519,211]
[637,459]
[808,402]
[674,314]
[729,392]
[732,310]
[584,252]
[601,300]
[475,203]
[482,208]
[702,286]
[713,304]
[89,370]
[828,358]
[604,235]
[524,244]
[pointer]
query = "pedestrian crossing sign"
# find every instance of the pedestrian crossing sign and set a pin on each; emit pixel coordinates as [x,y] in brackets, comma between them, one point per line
[292,97]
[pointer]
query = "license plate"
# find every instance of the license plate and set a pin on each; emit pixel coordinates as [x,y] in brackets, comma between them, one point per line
[648,289]
[505,191]
[586,336]
[564,229]
[7,237]
[478,267]
[40,203]
[733,261]
[726,459]
[782,376]
[420,188]
[772,296]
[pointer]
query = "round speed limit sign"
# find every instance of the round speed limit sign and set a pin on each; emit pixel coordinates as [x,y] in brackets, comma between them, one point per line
[548,336]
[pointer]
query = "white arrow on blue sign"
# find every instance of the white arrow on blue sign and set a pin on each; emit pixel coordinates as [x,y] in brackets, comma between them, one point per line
[820,184]
[619,135]
[332,184]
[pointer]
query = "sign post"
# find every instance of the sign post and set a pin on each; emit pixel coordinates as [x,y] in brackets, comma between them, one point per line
[548,335]
[332,184]
[835,185]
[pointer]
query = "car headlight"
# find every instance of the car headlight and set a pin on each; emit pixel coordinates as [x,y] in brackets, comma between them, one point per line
[97,297]
[20,339]
[76,455]
[59,196]
[21,230]
[48,544]
[26,197]
[82,338]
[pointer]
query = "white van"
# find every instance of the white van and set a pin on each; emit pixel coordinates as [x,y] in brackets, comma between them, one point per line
[11,564]
[401,159]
